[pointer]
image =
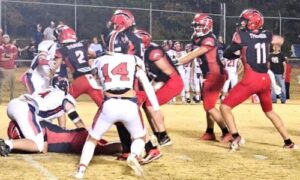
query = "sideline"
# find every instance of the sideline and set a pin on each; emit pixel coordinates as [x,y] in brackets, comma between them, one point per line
[39,167]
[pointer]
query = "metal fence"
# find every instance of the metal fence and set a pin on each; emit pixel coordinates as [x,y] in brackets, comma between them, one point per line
[161,23]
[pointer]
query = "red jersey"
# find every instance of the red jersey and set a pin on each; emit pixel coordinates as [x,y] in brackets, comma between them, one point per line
[288,71]
[211,62]
[11,51]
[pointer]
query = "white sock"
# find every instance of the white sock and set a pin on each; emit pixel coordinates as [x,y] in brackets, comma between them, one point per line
[87,153]
[137,146]
[187,95]
[9,143]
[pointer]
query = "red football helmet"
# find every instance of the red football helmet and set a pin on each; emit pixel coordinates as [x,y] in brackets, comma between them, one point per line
[122,20]
[251,19]
[66,34]
[203,24]
[144,36]
[13,131]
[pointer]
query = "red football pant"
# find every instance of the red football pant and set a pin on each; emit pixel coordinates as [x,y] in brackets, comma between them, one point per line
[81,85]
[212,87]
[170,89]
[252,83]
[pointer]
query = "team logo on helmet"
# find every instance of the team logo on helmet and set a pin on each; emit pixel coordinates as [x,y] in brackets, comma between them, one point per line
[66,34]
[251,19]
[122,20]
[145,37]
[202,24]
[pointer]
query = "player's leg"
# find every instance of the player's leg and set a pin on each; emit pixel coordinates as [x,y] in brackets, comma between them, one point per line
[26,119]
[266,104]
[103,122]
[196,82]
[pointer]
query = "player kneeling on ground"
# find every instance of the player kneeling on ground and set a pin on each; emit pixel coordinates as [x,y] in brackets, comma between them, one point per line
[28,110]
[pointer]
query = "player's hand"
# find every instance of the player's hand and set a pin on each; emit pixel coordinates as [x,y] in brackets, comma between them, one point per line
[52,65]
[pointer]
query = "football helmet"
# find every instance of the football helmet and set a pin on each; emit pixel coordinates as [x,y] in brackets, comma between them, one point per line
[118,42]
[14,131]
[48,46]
[202,24]
[144,36]
[60,83]
[66,34]
[251,19]
[122,20]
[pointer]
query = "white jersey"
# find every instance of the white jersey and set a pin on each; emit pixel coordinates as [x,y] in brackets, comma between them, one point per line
[172,54]
[231,66]
[197,68]
[117,71]
[180,54]
[49,103]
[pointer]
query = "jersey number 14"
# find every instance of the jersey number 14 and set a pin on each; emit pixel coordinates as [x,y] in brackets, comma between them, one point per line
[120,69]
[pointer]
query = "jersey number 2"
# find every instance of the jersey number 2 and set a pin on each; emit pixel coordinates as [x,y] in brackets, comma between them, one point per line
[260,53]
[120,69]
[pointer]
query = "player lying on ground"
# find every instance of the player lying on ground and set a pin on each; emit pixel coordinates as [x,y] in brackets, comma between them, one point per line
[251,42]
[59,140]
[28,110]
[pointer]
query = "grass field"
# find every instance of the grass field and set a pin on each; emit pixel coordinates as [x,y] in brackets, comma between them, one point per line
[262,157]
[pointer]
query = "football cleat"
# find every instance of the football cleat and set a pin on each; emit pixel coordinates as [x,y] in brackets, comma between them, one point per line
[134,164]
[208,137]
[188,100]
[196,100]
[290,146]
[4,148]
[226,138]
[80,172]
[123,157]
[236,143]
[164,140]
[153,154]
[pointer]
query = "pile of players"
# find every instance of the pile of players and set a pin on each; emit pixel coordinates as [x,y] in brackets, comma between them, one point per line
[135,77]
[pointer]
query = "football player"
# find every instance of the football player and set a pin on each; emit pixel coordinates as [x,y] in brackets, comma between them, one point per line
[251,42]
[213,73]
[27,110]
[166,81]
[38,76]
[61,140]
[76,57]
[117,73]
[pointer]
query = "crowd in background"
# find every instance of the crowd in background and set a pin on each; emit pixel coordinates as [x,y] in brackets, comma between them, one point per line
[10,52]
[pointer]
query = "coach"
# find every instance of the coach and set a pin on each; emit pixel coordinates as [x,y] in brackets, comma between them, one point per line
[8,55]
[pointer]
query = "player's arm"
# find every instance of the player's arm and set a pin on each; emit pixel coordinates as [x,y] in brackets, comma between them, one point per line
[62,121]
[141,75]
[193,54]
[73,115]
[54,65]
[234,49]
[160,60]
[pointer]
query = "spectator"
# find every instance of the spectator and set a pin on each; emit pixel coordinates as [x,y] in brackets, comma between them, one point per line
[49,32]
[277,64]
[287,79]
[8,55]
[96,47]
[105,32]
[38,36]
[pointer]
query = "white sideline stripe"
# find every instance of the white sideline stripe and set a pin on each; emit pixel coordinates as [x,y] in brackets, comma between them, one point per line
[39,167]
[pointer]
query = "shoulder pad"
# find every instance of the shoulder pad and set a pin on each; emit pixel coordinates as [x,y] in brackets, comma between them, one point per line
[155,54]
[208,41]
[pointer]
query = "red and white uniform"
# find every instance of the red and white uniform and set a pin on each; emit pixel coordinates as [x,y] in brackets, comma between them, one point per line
[117,73]
[231,66]
[37,77]
[28,110]
[212,69]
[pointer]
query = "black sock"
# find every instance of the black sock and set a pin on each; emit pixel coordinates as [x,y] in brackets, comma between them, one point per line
[149,146]
[124,138]
[210,130]
[224,131]
[163,134]
[288,142]
[156,134]
[235,135]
